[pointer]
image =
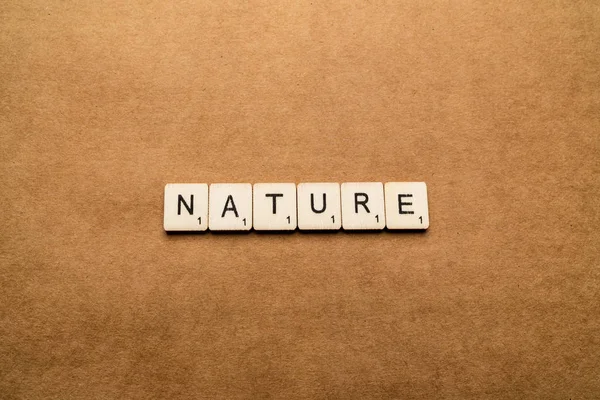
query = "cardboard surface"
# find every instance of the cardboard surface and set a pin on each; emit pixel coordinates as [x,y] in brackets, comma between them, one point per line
[496,107]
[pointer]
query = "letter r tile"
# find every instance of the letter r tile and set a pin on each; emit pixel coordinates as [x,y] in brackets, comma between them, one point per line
[363,205]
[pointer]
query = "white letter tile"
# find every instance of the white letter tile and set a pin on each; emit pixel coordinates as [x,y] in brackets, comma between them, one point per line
[363,205]
[319,206]
[406,205]
[186,207]
[230,207]
[274,206]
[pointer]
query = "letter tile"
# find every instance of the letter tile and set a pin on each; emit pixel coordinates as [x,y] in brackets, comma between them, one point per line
[230,207]
[186,207]
[363,205]
[274,206]
[319,206]
[406,205]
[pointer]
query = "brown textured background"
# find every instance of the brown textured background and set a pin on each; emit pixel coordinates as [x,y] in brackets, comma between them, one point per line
[497,108]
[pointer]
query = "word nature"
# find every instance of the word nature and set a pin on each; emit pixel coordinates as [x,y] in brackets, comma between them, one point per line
[285,206]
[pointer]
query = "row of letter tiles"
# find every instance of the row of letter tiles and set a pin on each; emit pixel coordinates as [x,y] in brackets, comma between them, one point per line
[285,206]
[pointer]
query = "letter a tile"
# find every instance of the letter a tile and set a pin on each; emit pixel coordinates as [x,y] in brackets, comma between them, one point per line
[230,207]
